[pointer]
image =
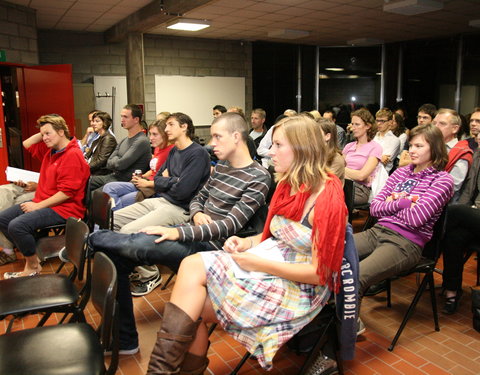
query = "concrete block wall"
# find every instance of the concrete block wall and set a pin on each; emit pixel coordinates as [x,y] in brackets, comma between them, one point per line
[90,56]
[86,51]
[18,33]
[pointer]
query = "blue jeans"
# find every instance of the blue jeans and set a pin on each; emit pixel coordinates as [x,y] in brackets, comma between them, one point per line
[130,250]
[123,193]
[19,227]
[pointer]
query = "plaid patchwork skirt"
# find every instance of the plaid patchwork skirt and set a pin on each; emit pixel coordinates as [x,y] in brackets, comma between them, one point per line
[263,314]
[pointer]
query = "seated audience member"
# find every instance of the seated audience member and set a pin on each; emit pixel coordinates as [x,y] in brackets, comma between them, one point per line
[60,191]
[257,120]
[90,134]
[363,155]
[316,115]
[425,115]
[162,116]
[398,128]
[407,208]
[125,193]
[474,128]
[461,233]
[263,313]
[290,112]
[176,182]
[11,194]
[341,135]
[218,110]
[459,153]
[236,189]
[237,110]
[385,138]
[103,146]
[335,160]
[132,153]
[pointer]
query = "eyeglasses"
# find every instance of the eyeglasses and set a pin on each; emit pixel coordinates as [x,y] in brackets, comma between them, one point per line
[474,121]
[381,121]
[423,117]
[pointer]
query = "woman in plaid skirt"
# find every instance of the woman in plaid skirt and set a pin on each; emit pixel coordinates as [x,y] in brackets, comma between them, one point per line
[280,289]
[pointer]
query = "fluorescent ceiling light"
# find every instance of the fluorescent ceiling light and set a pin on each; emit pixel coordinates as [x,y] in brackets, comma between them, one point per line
[288,34]
[353,76]
[188,24]
[323,76]
[335,69]
[474,23]
[412,7]
[364,42]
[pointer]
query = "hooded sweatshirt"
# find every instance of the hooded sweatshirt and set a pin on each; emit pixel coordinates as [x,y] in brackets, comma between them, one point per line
[65,171]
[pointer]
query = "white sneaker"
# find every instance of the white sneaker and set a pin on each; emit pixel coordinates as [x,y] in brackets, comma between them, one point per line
[139,288]
[360,327]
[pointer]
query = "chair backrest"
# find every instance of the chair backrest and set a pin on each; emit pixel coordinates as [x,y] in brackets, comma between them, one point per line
[101,210]
[349,192]
[103,298]
[432,248]
[76,233]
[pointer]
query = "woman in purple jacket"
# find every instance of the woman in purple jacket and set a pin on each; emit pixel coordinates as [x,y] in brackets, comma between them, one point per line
[407,208]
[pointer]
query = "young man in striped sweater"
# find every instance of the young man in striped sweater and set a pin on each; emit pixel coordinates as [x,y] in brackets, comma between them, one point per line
[236,189]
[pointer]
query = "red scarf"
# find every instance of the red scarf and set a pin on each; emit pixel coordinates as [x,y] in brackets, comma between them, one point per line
[329,223]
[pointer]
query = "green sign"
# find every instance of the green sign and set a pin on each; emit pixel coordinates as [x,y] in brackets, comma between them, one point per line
[3,55]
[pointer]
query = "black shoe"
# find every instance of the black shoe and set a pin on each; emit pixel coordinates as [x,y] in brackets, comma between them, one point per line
[451,303]
[373,290]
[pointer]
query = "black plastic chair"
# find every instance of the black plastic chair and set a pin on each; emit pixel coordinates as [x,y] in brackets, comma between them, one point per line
[51,292]
[425,265]
[75,349]
[51,239]
[100,212]
[349,192]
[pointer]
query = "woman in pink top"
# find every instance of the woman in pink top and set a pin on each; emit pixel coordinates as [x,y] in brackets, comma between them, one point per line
[363,155]
[124,193]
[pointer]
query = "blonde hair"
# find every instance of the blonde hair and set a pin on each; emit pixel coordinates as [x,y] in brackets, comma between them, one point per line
[58,123]
[309,167]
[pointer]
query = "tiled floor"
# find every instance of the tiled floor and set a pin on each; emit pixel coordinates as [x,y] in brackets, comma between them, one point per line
[420,350]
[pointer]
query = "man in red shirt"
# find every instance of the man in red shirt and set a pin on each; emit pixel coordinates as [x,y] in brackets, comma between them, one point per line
[59,195]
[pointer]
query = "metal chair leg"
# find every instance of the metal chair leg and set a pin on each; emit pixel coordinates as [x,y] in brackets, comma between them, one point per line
[410,311]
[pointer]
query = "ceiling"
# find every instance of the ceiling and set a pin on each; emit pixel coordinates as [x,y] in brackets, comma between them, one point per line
[329,22]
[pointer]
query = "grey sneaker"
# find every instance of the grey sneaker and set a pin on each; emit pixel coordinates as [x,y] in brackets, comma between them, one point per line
[322,366]
[139,288]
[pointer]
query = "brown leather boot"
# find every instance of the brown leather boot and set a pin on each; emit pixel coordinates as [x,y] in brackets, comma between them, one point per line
[173,340]
[194,364]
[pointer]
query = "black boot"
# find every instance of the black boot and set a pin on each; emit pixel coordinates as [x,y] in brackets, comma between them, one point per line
[476,308]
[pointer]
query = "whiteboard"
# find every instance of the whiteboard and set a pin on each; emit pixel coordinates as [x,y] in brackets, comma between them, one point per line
[196,96]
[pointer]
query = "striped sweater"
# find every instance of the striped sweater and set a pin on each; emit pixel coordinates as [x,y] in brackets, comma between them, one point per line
[230,197]
[429,189]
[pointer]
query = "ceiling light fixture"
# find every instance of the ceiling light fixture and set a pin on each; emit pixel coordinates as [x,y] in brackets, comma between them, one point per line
[288,34]
[474,23]
[335,69]
[412,7]
[188,24]
[365,42]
